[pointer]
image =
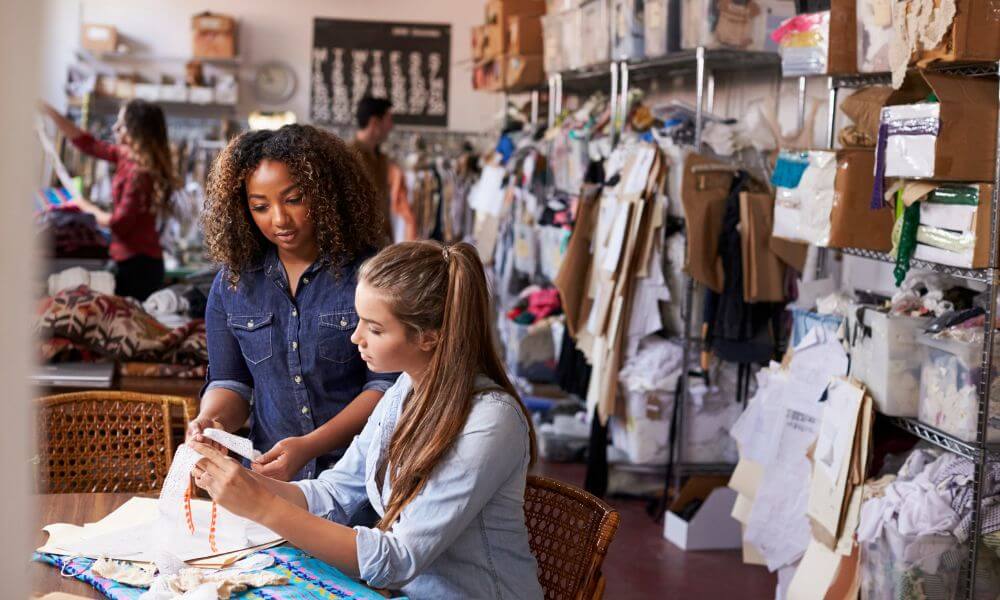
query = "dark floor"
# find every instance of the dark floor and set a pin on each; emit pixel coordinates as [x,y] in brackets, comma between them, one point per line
[641,564]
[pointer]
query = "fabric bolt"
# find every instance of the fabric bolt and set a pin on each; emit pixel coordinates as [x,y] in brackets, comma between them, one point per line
[294,353]
[464,536]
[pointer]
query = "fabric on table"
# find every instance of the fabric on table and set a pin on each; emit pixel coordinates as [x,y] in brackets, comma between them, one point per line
[308,578]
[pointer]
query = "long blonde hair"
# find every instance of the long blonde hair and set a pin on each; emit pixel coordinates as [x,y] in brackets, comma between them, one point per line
[430,287]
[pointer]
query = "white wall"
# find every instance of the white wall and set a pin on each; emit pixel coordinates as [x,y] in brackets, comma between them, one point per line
[270,31]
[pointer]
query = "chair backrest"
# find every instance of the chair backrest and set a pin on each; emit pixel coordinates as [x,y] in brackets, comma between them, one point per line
[105,441]
[569,531]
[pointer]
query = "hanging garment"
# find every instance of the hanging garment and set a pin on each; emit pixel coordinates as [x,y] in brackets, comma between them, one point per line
[704,195]
[738,331]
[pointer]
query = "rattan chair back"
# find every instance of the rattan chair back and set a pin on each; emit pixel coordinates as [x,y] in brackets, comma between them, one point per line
[105,441]
[569,531]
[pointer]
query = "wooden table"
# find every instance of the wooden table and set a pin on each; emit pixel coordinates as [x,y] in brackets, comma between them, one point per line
[68,508]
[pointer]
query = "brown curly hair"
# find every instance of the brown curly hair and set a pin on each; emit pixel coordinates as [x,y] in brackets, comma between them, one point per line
[342,201]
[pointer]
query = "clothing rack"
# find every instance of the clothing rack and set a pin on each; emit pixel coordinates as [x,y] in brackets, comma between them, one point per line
[437,142]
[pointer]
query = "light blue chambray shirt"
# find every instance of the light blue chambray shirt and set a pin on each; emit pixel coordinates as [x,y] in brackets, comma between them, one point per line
[464,535]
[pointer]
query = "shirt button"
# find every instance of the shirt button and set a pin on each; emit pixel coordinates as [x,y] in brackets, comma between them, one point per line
[298,379]
[295,345]
[305,280]
[295,312]
[343,322]
[305,410]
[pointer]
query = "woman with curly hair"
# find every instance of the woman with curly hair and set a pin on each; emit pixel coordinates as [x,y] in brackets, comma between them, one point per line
[290,216]
[140,188]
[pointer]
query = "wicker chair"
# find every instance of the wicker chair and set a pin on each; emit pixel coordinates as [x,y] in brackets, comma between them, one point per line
[569,531]
[105,441]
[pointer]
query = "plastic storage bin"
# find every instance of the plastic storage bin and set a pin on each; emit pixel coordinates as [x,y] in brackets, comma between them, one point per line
[948,394]
[875,33]
[627,30]
[886,357]
[736,24]
[662,21]
[552,43]
[595,28]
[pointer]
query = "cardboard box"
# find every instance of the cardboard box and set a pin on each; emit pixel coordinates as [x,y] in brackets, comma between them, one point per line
[973,35]
[853,224]
[523,71]
[981,256]
[966,145]
[524,35]
[728,24]
[842,55]
[107,85]
[125,87]
[489,75]
[498,12]
[213,35]
[557,6]
[712,527]
[99,38]
[489,42]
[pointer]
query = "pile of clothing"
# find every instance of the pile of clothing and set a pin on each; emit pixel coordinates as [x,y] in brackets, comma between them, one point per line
[914,526]
[534,304]
[69,233]
[81,323]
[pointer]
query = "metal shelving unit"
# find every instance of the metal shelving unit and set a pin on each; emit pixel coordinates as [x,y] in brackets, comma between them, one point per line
[704,63]
[969,450]
[979,451]
[981,275]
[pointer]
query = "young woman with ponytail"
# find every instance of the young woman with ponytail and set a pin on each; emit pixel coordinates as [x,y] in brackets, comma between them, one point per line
[443,459]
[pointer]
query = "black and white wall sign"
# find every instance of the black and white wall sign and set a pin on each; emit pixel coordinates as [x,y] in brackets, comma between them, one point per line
[408,63]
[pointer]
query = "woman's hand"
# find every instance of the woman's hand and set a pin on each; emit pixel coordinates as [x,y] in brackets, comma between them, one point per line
[230,485]
[285,459]
[197,427]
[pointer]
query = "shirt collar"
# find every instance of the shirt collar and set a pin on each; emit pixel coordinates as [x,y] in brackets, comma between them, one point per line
[274,270]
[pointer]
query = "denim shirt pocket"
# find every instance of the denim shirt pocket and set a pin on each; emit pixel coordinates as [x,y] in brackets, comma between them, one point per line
[335,331]
[254,335]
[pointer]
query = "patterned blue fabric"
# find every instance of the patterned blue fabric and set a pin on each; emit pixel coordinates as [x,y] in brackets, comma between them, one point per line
[308,578]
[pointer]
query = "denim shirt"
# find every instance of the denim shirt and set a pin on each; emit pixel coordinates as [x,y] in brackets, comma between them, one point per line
[464,535]
[290,358]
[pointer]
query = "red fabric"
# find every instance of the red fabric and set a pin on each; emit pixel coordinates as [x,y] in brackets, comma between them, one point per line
[133,220]
[544,303]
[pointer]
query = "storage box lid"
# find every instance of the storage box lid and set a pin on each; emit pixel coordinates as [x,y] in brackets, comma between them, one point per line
[213,22]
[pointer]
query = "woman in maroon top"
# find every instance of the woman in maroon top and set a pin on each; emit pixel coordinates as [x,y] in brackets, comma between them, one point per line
[142,184]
